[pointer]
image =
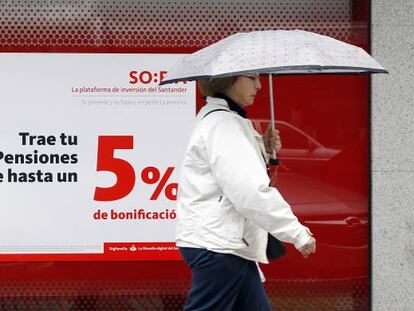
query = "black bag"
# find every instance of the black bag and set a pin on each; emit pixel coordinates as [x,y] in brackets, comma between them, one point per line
[274,249]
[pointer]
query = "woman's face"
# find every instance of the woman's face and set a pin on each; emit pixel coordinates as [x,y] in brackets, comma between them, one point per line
[244,90]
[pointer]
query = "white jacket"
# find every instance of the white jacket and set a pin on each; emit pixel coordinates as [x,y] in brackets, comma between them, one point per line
[225,203]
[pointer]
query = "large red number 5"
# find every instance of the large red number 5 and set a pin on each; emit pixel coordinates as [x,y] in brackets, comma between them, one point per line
[124,171]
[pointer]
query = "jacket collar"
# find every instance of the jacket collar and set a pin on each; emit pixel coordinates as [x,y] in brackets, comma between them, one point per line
[223,100]
[233,106]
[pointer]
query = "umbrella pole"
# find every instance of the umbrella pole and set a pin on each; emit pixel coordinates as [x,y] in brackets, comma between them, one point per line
[273,160]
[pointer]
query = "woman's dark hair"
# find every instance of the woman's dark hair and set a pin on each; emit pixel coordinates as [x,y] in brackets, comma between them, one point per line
[215,86]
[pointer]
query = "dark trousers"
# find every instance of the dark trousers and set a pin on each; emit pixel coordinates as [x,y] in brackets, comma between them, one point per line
[223,282]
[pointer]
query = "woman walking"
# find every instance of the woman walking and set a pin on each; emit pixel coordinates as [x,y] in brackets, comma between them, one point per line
[226,207]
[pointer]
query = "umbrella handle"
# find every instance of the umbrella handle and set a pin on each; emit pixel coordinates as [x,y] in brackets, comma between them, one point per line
[273,160]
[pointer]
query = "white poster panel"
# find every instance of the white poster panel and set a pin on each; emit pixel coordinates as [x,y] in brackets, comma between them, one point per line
[90,148]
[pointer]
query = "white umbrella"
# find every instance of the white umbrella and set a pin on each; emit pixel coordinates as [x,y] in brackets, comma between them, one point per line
[273,52]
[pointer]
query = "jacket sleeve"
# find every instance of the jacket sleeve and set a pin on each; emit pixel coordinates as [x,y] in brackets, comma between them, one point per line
[243,179]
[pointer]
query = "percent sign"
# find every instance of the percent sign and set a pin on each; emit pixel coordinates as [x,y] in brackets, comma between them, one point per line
[151,175]
[125,173]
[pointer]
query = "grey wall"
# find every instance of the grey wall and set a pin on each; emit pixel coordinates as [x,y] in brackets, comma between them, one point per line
[393,155]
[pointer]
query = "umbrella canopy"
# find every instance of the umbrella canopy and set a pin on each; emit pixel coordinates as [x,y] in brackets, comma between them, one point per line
[273,52]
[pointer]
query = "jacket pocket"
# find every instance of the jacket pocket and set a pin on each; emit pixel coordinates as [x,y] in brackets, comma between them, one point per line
[233,222]
[224,224]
